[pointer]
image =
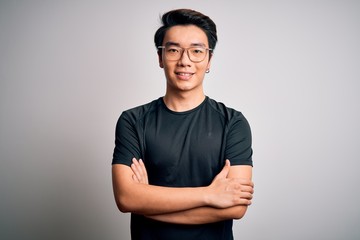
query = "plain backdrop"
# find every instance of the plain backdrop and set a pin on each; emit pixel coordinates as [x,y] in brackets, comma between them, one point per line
[69,68]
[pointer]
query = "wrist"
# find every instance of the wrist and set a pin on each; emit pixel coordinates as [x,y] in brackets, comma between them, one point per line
[206,196]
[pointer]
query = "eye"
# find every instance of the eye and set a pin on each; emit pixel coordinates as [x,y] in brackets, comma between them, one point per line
[197,51]
[172,50]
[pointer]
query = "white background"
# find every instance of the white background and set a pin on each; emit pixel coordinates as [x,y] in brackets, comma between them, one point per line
[69,68]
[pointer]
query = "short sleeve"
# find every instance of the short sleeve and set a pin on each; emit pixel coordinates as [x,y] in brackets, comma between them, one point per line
[127,145]
[239,142]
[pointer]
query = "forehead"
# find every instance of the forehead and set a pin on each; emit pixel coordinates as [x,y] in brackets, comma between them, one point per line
[186,35]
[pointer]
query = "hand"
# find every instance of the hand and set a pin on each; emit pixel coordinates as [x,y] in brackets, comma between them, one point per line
[228,192]
[139,170]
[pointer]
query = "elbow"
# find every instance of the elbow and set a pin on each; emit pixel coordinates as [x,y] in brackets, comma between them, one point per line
[239,212]
[122,208]
[123,204]
[125,201]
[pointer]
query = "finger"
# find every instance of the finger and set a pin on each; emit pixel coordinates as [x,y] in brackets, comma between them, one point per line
[244,181]
[242,201]
[248,189]
[139,170]
[246,195]
[225,171]
[136,170]
[142,165]
[135,178]
[227,162]
[137,166]
[245,200]
[236,185]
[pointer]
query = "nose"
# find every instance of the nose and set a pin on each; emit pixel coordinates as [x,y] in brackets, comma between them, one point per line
[184,59]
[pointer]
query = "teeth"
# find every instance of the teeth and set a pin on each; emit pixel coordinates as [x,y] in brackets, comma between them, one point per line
[184,74]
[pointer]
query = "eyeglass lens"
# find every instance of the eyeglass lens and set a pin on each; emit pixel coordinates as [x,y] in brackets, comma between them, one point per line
[196,54]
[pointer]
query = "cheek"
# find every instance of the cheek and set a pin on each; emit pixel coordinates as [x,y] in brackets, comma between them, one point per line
[203,67]
[166,67]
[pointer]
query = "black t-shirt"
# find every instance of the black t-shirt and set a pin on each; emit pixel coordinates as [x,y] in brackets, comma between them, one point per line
[182,149]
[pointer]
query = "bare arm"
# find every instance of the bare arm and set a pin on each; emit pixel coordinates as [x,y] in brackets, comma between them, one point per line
[201,215]
[134,196]
[204,214]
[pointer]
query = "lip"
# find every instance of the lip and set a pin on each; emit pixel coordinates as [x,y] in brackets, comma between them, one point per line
[184,75]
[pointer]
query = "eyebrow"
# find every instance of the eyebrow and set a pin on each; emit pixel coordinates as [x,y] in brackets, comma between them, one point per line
[178,44]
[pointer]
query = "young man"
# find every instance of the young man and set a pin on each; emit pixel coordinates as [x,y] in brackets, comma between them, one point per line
[182,164]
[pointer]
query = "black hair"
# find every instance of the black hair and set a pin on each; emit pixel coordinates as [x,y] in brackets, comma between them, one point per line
[186,17]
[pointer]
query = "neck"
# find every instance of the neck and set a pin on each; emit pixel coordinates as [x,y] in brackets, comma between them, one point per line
[182,102]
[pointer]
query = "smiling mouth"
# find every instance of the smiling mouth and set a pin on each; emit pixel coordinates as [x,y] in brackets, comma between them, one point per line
[184,74]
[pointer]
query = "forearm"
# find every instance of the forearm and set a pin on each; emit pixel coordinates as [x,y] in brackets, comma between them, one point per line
[208,214]
[202,215]
[134,194]
[149,199]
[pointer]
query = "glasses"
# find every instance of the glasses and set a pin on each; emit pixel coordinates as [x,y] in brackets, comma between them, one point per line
[195,54]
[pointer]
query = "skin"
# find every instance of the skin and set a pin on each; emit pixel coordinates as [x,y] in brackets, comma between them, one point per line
[184,92]
[200,215]
[230,192]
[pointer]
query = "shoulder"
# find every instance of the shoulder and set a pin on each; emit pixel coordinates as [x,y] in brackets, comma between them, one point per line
[228,113]
[138,113]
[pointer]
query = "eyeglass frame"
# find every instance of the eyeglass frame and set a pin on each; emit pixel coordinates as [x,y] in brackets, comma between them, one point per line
[183,50]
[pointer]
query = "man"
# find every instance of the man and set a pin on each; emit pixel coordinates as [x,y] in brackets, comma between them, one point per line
[182,164]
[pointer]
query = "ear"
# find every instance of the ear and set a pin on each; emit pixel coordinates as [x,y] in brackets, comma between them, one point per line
[160,59]
[209,63]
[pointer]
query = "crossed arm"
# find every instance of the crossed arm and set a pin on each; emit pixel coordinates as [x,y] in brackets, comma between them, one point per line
[227,197]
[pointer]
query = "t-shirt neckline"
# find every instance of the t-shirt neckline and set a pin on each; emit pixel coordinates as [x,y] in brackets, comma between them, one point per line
[184,112]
